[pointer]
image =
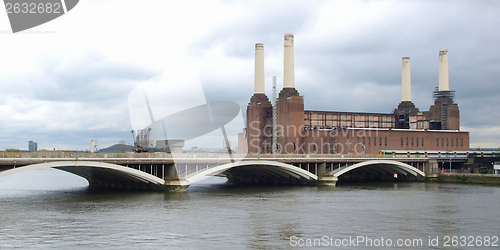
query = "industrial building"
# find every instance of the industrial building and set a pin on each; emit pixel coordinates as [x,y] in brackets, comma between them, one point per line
[300,131]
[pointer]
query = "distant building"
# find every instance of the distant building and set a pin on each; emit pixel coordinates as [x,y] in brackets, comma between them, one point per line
[174,146]
[242,142]
[32,146]
[93,146]
[118,148]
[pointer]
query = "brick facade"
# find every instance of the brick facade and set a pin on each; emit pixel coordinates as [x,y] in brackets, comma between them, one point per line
[328,132]
[259,124]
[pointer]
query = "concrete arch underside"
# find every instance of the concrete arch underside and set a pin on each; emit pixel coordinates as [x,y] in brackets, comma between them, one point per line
[100,175]
[259,172]
[378,170]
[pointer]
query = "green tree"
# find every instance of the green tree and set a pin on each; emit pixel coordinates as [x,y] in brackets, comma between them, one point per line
[483,170]
[12,150]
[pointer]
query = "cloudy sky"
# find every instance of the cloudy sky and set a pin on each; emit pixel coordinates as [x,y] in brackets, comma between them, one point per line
[68,81]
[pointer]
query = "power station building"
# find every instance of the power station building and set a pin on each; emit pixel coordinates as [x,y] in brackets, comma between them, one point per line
[300,131]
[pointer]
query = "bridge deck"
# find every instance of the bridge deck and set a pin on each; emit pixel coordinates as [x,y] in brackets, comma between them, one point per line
[269,168]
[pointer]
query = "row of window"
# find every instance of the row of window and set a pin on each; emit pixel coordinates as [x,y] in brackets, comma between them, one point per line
[374,141]
[448,142]
[412,141]
[437,142]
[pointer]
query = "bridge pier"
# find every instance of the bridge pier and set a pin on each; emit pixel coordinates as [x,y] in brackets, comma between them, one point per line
[178,185]
[432,167]
[174,183]
[325,179]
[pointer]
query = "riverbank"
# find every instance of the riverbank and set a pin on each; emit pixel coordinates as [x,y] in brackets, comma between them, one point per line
[464,178]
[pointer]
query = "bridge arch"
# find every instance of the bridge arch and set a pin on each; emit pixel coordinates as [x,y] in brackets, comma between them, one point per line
[99,174]
[260,171]
[382,167]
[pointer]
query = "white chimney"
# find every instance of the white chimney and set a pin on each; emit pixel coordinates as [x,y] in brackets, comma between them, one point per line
[406,80]
[288,74]
[259,69]
[444,82]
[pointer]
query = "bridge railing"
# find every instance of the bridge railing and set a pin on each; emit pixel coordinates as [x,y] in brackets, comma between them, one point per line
[74,154]
[82,155]
[270,156]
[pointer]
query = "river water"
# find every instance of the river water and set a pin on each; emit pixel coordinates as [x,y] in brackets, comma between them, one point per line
[52,209]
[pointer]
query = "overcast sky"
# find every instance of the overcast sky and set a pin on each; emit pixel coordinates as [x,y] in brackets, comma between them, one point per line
[68,81]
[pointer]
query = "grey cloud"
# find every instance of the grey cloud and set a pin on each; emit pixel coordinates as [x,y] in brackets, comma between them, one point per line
[359,70]
[337,65]
[86,100]
[268,21]
[91,80]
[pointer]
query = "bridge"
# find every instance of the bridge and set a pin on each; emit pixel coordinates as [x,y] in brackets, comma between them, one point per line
[160,172]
